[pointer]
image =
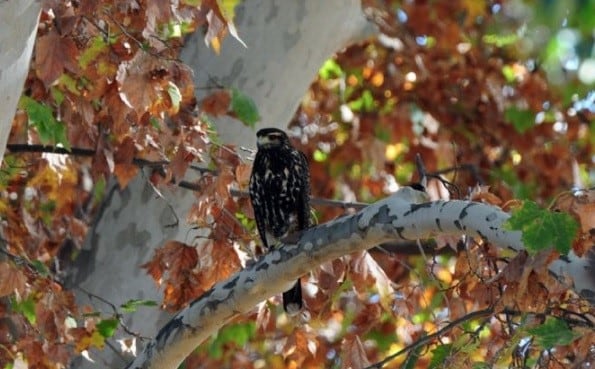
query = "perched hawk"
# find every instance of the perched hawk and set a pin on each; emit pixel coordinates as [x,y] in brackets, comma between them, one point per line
[280,196]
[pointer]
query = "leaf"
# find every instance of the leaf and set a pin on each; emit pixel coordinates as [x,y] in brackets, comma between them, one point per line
[365,103]
[354,355]
[125,173]
[552,333]
[522,119]
[107,327]
[217,103]
[439,355]
[99,190]
[11,279]
[238,334]
[215,31]
[330,69]
[98,46]
[227,8]
[27,308]
[131,306]
[542,228]
[175,95]
[53,54]
[40,268]
[50,130]
[138,83]
[413,358]
[244,108]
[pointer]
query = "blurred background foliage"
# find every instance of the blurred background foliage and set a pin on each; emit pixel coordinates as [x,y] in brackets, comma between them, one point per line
[488,92]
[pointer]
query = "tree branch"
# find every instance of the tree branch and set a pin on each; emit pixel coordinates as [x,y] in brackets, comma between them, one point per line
[426,339]
[403,216]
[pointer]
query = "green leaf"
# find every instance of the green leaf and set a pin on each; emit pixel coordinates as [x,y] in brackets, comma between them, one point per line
[553,332]
[383,340]
[500,40]
[99,190]
[439,355]
[521,119]
[98,45]
[107,327]
[155,123]
[330,69]
[238,334]
[57,95]
[542,228]
[508,73]
[130,306]
[41,117]
[413,358]
[40,268]
[320,155]
[364,103]
[25,307]
[244,108]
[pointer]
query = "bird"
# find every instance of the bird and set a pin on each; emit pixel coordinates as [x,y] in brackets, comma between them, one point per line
[279,191]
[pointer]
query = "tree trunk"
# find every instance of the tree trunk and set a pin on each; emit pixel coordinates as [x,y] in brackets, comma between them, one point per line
[18,28]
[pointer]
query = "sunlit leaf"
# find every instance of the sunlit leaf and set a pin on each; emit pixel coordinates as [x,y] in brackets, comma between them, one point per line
[175,95]
[330,69]
[543,228]
[364,103]
[500,40]
[107,327]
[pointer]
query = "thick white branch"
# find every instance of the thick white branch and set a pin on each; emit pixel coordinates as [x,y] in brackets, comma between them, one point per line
[403,216]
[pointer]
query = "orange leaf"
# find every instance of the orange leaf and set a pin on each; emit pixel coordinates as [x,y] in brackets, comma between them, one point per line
[216,103]
[125,173]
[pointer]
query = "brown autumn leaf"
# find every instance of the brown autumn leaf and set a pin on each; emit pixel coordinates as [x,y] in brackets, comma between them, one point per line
[180,163]
[365,272]
[217,27]
[300,345]
[11,280]
[138,81]
[54,54]
[217,103]
[482,194]
[264,319]
[581,205]
[353,353]
[174,255]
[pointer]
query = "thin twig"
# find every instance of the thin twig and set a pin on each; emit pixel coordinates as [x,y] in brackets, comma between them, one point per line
[426,339]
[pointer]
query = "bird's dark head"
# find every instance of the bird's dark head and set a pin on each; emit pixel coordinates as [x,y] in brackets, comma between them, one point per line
[268,138]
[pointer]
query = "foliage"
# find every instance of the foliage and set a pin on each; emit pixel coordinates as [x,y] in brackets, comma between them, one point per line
[448,80]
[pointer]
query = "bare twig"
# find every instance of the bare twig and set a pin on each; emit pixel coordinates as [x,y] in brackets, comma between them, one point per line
[426,339]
